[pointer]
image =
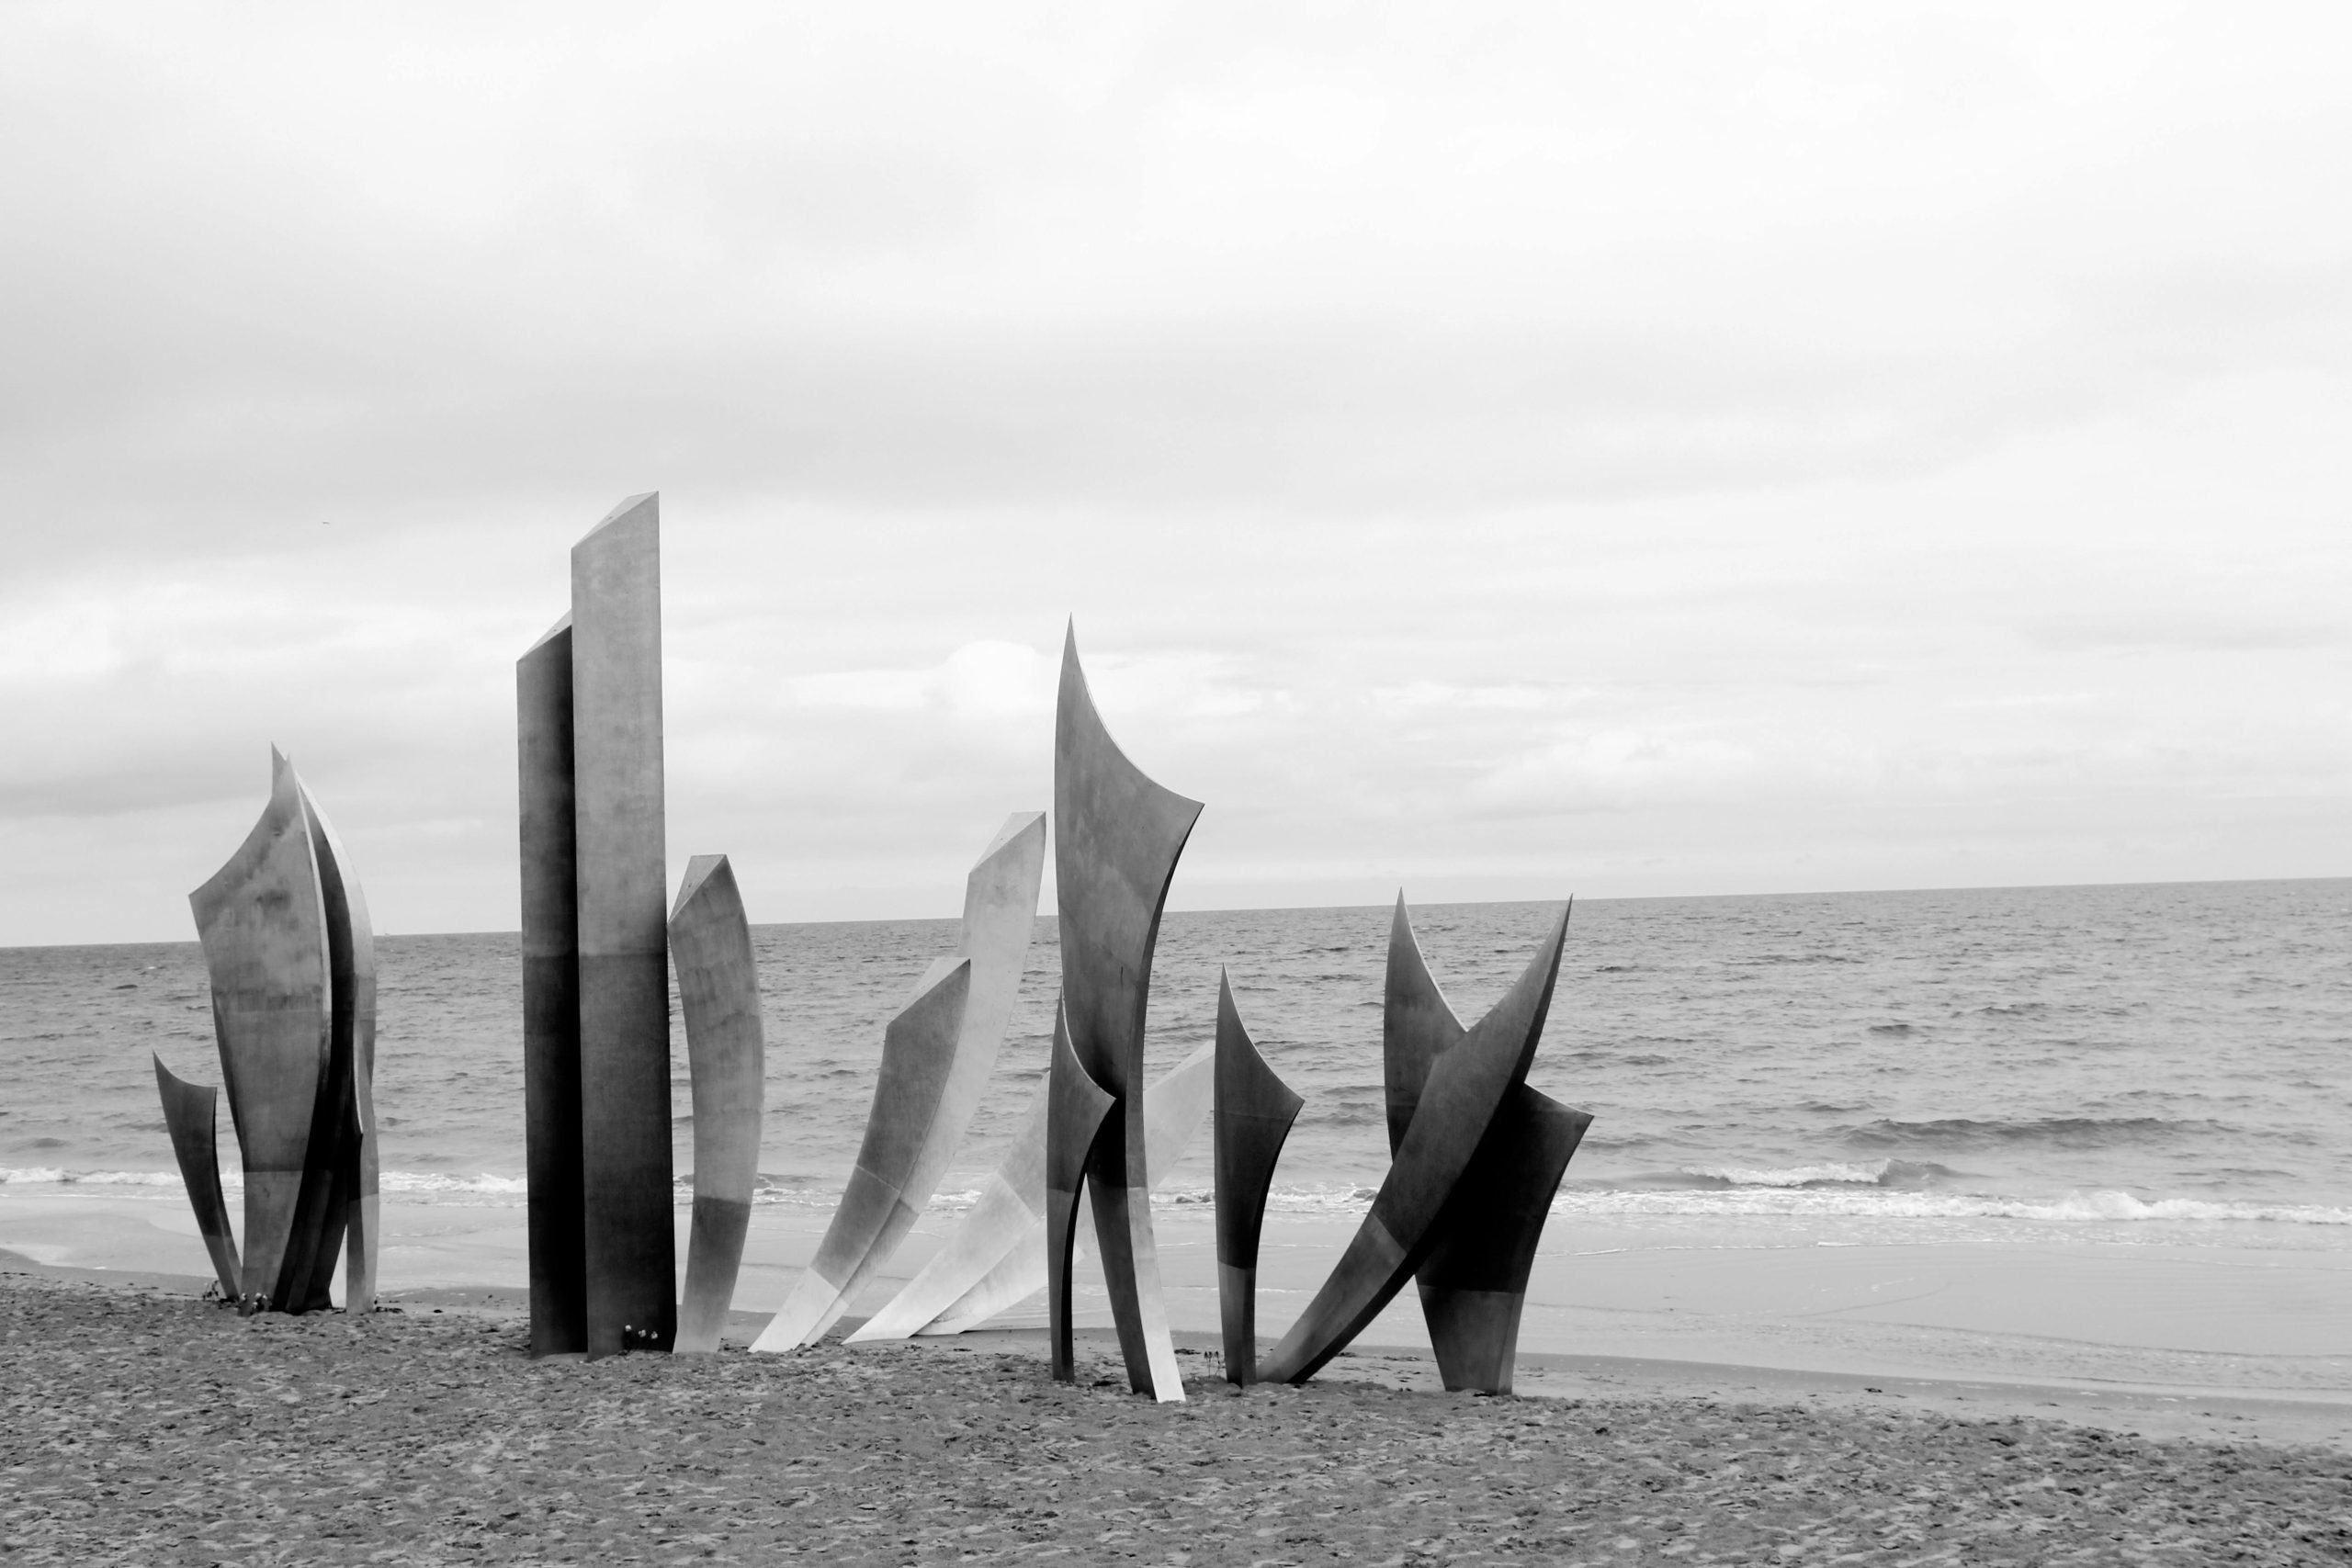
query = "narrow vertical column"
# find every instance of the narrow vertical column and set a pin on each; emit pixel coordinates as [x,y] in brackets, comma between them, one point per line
[551,997]
[617,808]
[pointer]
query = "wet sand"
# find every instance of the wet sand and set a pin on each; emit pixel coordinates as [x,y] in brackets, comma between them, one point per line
[139,1424]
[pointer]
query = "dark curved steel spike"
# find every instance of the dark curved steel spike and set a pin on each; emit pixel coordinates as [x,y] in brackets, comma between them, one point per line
[1464,1089]
[192,1114]
[1117,835]
[1077,1112]
[1417,1025]
[1253,1116]
[335,1213]
[1474,1284]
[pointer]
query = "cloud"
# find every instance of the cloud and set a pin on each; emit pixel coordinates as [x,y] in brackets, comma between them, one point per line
[1674,446]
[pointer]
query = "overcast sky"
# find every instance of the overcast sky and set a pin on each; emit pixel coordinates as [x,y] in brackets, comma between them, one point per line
[1501,451]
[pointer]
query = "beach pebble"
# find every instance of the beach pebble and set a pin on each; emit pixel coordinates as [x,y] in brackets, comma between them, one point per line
[141,1427]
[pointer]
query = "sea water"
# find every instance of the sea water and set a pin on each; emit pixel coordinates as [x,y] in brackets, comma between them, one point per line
[2143,1063]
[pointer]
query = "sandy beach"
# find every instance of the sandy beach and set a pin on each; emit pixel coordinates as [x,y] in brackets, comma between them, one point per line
[143,1425]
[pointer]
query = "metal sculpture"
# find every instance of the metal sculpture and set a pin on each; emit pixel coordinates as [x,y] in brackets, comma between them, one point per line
[1117,837]
[191,1112]
[1459,1100]
[559,1233]
[718,990]
[355,1205]
[1474,1282]
[915,1049]
[596,943]
[290,960]
[262,922]
[1254,1113]
[930,1082]
[996,1258]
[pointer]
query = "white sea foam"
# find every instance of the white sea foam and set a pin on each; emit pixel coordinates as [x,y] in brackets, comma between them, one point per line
[483,1185]
[1878,1203]
[53,1175]
[1830,1173]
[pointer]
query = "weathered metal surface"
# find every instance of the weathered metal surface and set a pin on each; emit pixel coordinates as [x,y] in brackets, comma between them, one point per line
[1475,1280]
[191,1112]
[262,921]
[917,1049]
[628,1248]
[1464,1089]
[1078,1113]
[718,990]
[918,1117]
[1117,837]
[551,997]
[1254,1113]
[1173,1109]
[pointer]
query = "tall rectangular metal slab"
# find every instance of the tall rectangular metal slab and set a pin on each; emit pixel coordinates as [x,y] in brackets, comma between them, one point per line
[617,810]
[551,997]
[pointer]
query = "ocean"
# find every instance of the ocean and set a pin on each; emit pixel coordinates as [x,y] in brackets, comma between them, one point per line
[2141,1063]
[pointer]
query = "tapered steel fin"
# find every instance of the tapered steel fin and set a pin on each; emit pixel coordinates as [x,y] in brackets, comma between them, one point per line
[1465,1088]
[718,990]
[1417,1025]
[995,1259]
[1254,1113]
[339,1202]
[922,1106]
[1117,837]
[1474,1282]
[262,922]
[191,1113]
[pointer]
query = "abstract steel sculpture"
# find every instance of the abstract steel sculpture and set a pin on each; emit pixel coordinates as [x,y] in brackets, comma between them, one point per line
[191,1112]
[935,1065]
[291,963]
[1254,1113]
[1117,836]
[354,1204]
[1465,1088]
[996,1258]
[1474,1282]
[595,947]
[1076,1115]
[719,989]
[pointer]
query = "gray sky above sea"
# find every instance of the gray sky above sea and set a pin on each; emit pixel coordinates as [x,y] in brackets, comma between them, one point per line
[1501,451]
